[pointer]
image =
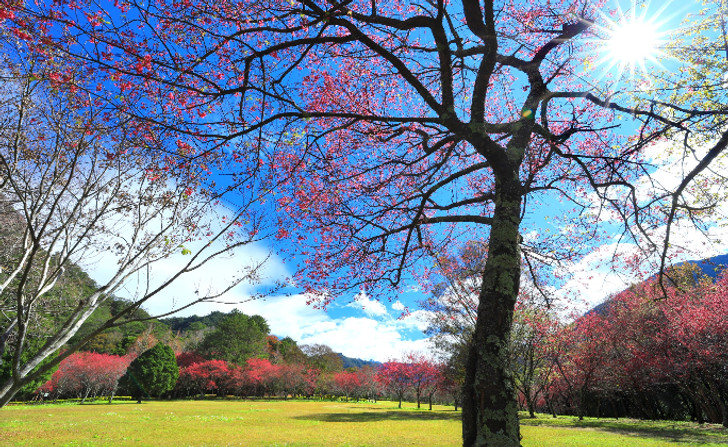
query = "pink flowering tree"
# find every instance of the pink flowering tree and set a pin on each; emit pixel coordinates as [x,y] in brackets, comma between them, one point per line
[261,376]
[395,378]
[348,383]
[85,374]
[206,376]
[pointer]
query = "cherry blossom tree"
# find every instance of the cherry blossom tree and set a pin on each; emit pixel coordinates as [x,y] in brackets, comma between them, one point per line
[261,376]
[205,376]
[310,382]
[390,132]
[348,383]
[371,388]
[675,342]
[188,358]
[395,378]
[293,379]
[582,358]
[534,329]
[423,375]
[85,374]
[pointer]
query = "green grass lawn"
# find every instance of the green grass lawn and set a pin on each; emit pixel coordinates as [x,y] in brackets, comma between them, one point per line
[301,423]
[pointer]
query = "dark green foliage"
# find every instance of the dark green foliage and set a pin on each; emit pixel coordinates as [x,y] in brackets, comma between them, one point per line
[153,373]
[31,348]
[285,350]
[52,310]
[349,362]
[197,326]
[290,352]
[323,358]
[194,322]
[236,338]
[117,340]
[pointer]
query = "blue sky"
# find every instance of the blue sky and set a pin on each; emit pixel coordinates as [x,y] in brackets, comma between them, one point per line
[373,327]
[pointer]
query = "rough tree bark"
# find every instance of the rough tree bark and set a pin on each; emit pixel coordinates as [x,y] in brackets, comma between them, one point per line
[490,409]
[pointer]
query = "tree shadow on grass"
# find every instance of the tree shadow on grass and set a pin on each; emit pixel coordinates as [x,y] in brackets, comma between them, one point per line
[662,431]
[377,416]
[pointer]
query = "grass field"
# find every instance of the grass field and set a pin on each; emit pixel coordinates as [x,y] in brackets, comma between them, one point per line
[301,423]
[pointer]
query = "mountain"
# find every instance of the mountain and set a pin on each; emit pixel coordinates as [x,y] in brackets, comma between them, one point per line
[710,267]
[357,363]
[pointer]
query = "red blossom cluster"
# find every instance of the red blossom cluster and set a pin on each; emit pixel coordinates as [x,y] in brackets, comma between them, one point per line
[86,374]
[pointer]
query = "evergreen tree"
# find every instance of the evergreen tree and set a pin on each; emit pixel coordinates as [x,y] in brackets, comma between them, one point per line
[237,338]
[153,373]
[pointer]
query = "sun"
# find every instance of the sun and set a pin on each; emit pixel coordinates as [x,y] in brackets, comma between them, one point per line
[631,43]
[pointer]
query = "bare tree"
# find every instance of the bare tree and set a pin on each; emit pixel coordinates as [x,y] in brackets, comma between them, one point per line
[79,187]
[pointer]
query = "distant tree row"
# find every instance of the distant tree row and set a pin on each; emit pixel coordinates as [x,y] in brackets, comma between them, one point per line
[157,372]
[647,354]
[239,357]
[650,352]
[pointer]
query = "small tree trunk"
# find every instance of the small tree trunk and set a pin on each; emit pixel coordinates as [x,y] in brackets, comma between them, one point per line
[531,405]
[614,409]
[580,406]
[699,412]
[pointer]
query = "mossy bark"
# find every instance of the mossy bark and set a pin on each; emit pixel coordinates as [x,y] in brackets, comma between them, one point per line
[490,408]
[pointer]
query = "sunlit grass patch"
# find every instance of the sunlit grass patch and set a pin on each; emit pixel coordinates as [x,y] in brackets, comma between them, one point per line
[307,423]
[249,423]
[637,432]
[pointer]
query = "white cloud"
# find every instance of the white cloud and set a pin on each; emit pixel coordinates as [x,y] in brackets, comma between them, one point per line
[416,320]
[611,268]
[371,307]
[360,337]
[211,278]
[397,305]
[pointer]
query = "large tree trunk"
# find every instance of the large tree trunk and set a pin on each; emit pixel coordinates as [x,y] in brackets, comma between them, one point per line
[490,407]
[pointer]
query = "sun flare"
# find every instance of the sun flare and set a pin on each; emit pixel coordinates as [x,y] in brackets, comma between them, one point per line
[630,43]
[633,43]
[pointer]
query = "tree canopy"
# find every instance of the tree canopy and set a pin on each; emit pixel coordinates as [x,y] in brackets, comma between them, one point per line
[76,187]
[153,373]
[236,338]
